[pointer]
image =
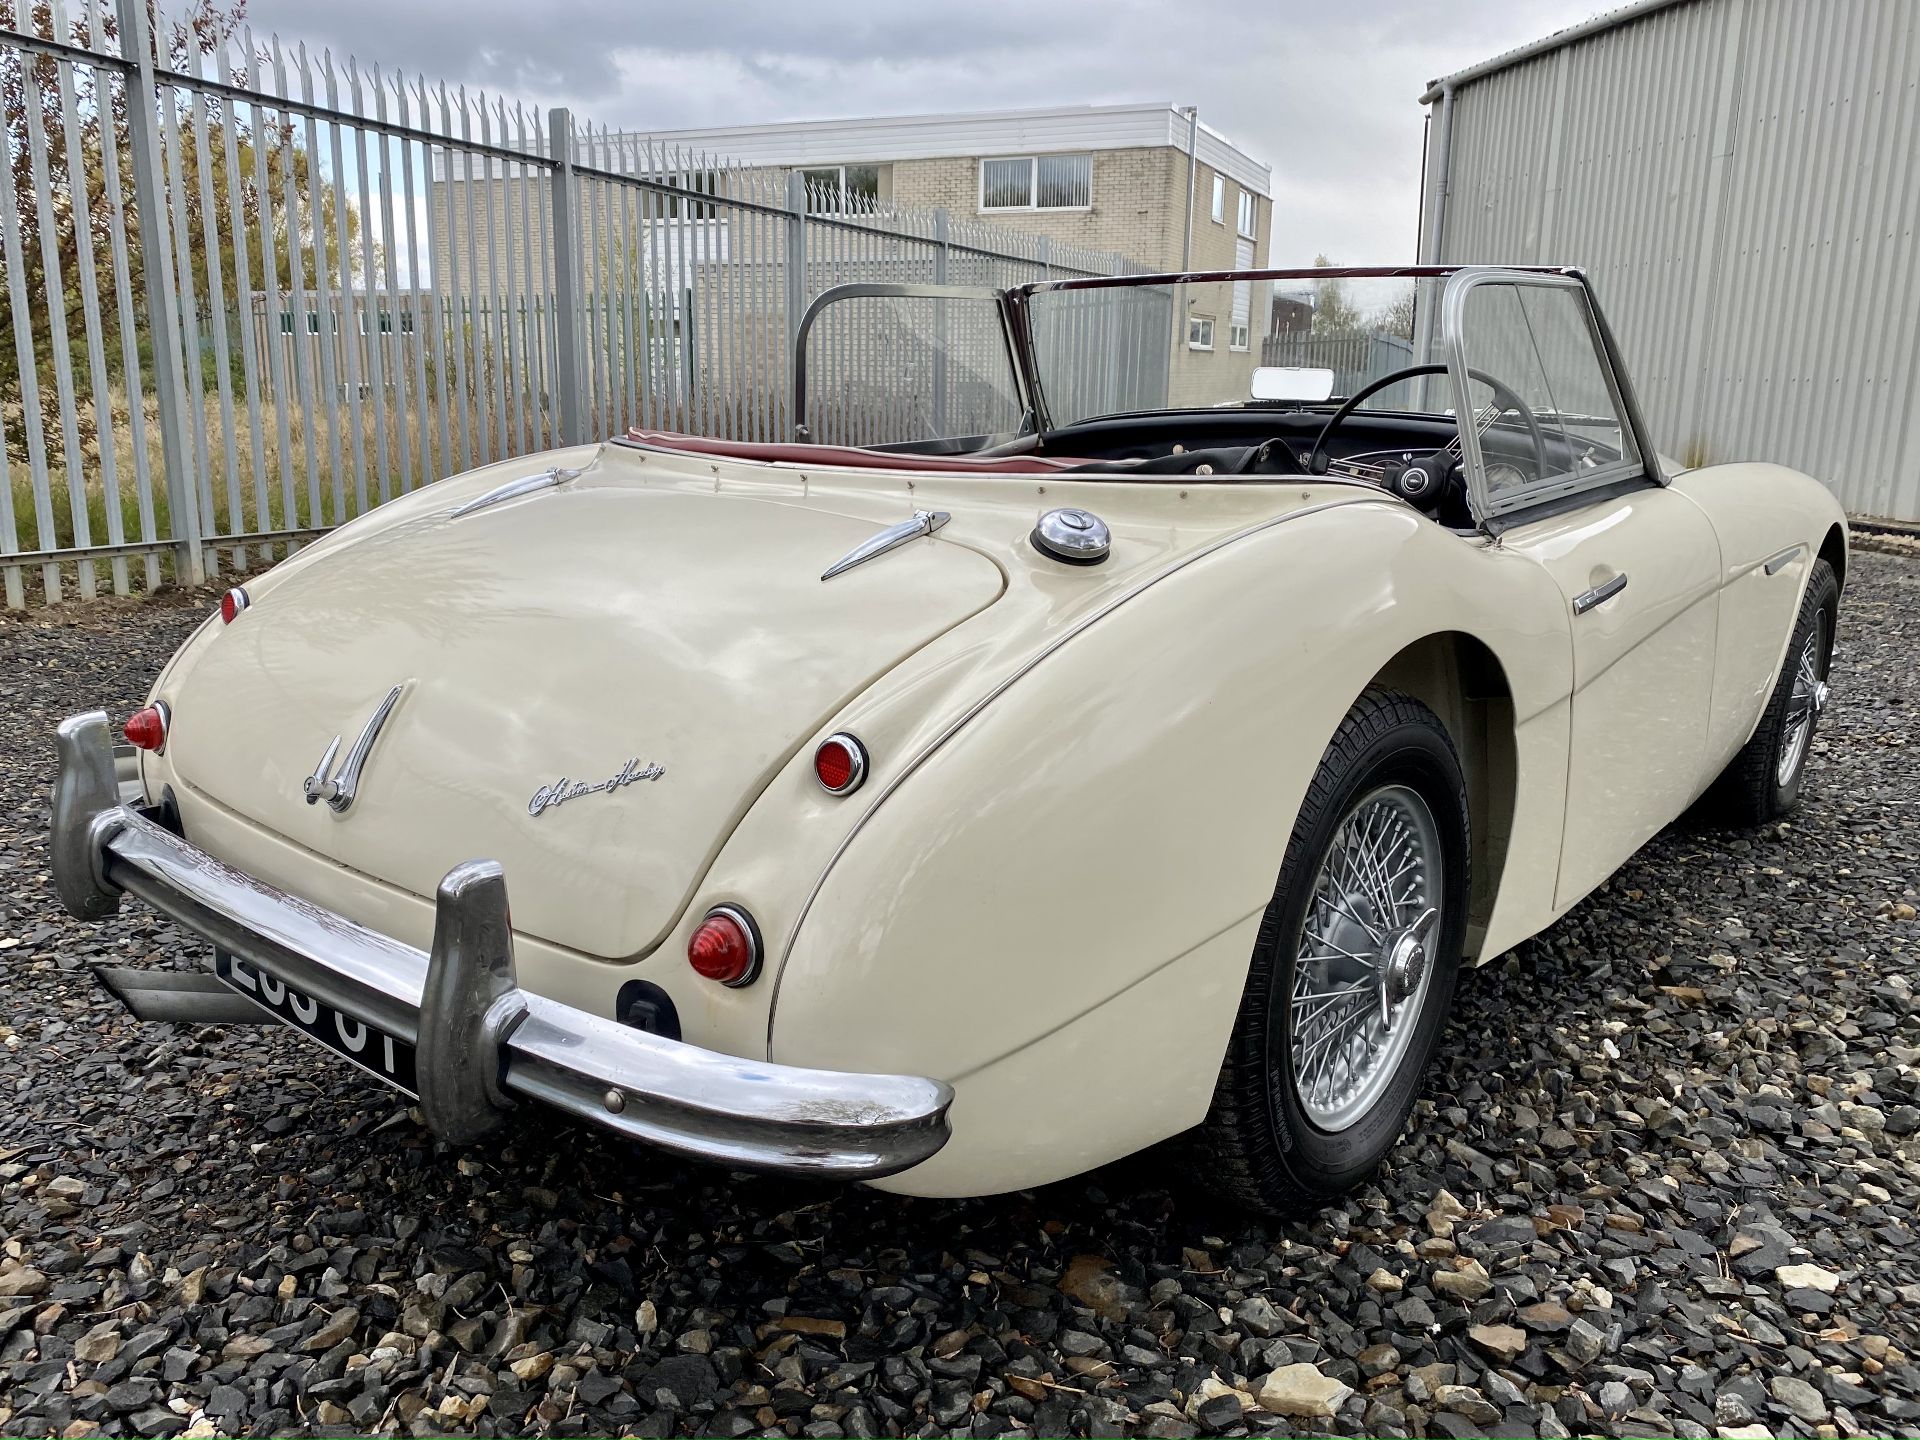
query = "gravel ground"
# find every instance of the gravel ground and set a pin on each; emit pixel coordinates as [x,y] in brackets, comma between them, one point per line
[1666,1183]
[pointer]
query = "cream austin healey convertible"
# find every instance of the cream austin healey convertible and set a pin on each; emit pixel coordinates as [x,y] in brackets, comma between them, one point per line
[1077,737]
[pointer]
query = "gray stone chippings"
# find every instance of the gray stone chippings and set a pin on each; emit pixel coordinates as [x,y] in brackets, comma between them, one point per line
[1663,1180]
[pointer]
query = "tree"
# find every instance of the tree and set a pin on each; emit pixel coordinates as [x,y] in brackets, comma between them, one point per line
[1333,313]
[1397,318]
[71,161]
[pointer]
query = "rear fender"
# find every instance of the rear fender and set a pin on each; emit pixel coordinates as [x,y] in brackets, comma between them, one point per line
[1126,805]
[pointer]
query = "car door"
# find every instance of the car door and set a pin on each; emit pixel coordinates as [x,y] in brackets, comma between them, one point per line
[1636,563]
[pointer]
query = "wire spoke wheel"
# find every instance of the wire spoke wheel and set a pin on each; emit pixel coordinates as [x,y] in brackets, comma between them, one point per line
[1365,956]
[1804,704]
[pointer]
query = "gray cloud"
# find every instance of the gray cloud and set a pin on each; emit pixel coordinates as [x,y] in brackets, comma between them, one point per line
[1324,94]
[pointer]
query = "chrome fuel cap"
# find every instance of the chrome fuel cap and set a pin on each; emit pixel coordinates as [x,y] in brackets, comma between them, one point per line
[1079,537]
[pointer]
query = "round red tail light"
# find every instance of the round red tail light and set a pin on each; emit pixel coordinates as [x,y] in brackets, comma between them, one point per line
[146,729]
[232,603]
[726,946]
[840,763]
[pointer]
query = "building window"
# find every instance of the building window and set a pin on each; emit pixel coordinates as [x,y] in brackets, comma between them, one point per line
[841,189]
[1037,182]
[1199,332]
[1236,337]
[1219,200]
[700,182]
[1249,214]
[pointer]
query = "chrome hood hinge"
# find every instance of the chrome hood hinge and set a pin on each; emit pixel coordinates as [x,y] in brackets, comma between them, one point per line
[924,522]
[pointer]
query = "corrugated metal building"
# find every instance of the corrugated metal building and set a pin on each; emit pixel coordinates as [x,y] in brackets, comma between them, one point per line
[1741,178]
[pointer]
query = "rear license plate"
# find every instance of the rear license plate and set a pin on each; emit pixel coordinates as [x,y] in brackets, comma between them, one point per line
[371,1048]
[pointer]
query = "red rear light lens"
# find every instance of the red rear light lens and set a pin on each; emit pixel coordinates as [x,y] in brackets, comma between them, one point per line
[147,729]
[726,947]
[232,603]
[841,764]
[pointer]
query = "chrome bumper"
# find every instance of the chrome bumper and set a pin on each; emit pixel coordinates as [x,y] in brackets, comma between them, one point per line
[483,1042]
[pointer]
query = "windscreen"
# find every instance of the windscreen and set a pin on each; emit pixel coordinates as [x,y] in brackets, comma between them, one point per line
[1538,339]
[891,370]
[1198,344]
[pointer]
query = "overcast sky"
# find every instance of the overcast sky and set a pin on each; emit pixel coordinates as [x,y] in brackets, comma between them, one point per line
[1325,93]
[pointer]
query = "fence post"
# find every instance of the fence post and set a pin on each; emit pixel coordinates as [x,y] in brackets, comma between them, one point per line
[796,283]
[1046,257]
[163,314]
[566,260]
[942,252]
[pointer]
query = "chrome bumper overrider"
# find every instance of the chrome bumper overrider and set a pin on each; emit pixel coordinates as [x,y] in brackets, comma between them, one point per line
[482,1041]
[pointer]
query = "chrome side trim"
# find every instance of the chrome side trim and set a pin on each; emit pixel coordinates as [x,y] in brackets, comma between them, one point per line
[514,489]
[482,1040]
[1775,563]
[1589,599]
[924,522]
[1007,682]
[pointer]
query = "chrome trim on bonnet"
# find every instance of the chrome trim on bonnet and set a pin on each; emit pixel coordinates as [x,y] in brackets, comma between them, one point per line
[924,522]
[483,1042]
[514,489]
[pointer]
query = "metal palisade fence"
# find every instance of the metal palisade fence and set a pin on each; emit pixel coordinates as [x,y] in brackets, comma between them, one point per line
[251,292]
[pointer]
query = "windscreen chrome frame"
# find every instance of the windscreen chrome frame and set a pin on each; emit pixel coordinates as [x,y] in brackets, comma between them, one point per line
[880,290]
[1486,509]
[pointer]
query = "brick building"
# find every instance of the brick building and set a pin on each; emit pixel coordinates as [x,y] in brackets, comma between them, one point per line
[1104,177]
[1144,181]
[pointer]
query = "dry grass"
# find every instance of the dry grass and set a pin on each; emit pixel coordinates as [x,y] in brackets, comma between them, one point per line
[323,471]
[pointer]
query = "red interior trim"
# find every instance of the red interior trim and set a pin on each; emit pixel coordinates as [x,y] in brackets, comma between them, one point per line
[852,457]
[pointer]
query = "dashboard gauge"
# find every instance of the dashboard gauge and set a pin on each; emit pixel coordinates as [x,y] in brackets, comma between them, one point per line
[1501,476]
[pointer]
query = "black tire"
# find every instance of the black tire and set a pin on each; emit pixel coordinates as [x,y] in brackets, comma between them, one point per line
[1257,1143]
[1750,791]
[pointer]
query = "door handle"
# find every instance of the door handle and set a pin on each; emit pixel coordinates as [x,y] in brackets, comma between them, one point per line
[1599,595]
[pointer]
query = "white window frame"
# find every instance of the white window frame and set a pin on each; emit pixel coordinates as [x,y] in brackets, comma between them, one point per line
[1239,337]
[1247,218]
[1219,200]
[840,181]
[1194,321]
[1033,186]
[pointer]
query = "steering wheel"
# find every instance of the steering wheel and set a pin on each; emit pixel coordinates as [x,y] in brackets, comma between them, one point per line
[1504,396]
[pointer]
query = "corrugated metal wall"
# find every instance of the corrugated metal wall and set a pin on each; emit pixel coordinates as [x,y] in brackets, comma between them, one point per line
[1741,179]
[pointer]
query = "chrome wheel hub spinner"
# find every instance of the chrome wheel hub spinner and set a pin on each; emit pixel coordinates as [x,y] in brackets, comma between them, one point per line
[1406,967]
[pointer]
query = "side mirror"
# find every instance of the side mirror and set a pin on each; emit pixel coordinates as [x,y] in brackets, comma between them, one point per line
[1292,382]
